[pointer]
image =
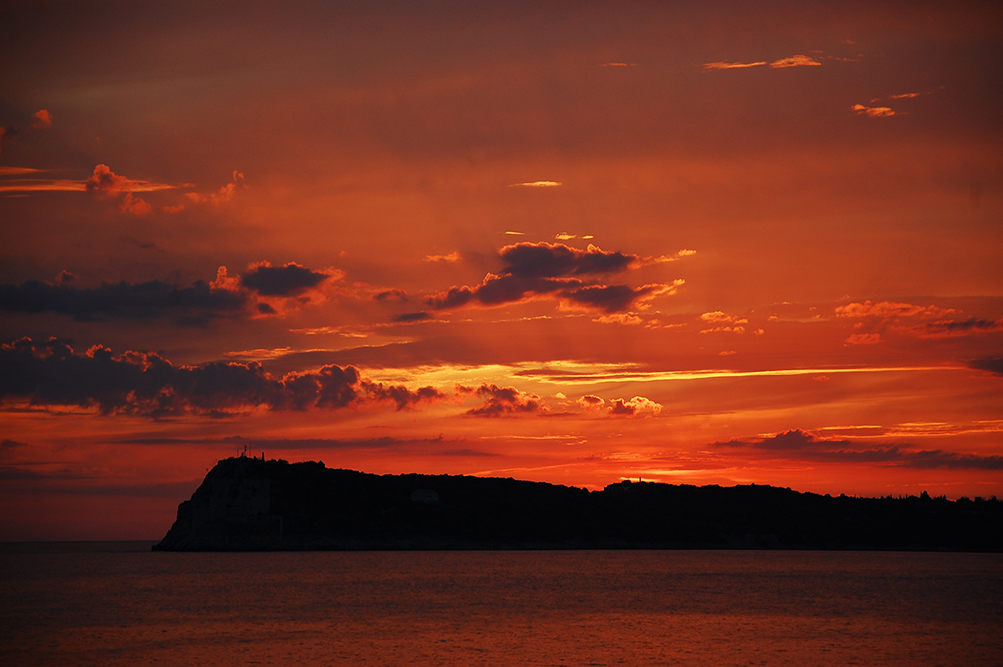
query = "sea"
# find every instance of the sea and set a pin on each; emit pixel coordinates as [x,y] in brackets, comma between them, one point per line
[118,603]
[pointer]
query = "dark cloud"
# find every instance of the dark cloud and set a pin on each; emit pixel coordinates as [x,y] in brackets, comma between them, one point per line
[144,383]
[620,408]
[147,300]
[972,324]
[194,305]
[991,364]
[501,401]
[612,299]
[542,268]
[286,280]
[547,260]
[391,295]
[799,445]
[8,444]
[401,395]
[5,134]
[412,317]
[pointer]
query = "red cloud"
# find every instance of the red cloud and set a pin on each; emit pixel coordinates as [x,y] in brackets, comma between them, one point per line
[225,194]
[107,181]
[43,120]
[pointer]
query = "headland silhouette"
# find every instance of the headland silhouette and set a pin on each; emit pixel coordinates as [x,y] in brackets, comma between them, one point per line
[251,504]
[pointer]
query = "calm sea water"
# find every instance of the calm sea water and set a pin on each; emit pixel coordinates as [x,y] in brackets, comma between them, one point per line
[119,604]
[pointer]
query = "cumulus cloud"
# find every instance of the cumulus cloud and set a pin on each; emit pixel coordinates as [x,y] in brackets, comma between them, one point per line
[863,339]
[551,260]
[636,407]
[146,384]
[42,120]
[194,305]
[225,193]
[105,181]
[401,395]
[591,403]
[134,205]
[617,298]
[901,318]
[286,280]
[873,112]
[804,446]
[500,401]
[568,273]
[723,322]
[887,309]
[795,61]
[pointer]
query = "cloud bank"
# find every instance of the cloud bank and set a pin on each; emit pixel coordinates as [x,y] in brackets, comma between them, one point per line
[50,373]
[803,446]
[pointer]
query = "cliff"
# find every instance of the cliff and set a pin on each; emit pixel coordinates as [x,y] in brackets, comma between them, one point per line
[247,504]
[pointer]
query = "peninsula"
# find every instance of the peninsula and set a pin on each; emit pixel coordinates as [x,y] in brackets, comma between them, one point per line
[250,504]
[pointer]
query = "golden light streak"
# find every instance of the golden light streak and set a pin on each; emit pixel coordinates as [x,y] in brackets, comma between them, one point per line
[656,376]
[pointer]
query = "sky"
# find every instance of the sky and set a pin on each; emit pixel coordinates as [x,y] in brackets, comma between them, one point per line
[694,243]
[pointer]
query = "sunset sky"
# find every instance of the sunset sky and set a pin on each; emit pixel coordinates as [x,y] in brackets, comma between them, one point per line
[702,243]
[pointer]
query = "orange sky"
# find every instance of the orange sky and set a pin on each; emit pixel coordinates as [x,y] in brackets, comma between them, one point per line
[702,243]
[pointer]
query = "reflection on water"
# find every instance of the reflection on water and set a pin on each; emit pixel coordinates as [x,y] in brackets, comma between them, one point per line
[118,604]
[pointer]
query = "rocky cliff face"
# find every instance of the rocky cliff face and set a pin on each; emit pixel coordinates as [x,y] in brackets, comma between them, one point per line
[230,510]
[250,504]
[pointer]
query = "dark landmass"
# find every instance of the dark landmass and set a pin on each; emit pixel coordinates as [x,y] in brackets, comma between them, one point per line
[248,504]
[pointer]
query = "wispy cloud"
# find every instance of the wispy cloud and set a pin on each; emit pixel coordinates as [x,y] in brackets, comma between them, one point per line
[102,181]
[873,112]
[795,61]
[602,376]
[724,65]
[863,339]
[537,184]
[792,61]
[451,257]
